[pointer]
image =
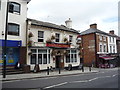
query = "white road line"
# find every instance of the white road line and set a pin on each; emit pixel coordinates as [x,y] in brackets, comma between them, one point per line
[93,79]
[114,75]
[55,85]
[79,81]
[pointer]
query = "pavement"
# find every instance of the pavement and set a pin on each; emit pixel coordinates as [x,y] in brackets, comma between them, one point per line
[45,74]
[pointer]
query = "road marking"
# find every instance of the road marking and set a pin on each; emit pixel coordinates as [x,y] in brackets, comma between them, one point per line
[93,79]
[55,85]
[79,81]
[114,75]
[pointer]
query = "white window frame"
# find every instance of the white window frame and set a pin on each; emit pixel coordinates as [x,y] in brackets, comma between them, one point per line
[100,37]
[42,38]
[100,48]
[37,53]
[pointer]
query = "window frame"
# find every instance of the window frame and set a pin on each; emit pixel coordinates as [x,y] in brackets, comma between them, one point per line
[13,9]
[70,38]
[10,32]
[57,38]
[41,60]
[41,38]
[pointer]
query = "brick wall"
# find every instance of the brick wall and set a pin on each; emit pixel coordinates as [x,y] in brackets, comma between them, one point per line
[88,42]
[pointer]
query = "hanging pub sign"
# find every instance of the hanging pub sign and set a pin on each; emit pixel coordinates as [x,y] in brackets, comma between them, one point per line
[58,45]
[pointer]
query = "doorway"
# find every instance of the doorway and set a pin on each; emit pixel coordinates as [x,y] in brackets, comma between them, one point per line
[58,59]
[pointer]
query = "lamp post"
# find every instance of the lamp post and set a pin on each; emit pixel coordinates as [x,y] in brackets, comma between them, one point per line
[5,42]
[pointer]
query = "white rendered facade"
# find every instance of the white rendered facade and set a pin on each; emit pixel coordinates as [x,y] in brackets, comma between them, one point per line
[40,49]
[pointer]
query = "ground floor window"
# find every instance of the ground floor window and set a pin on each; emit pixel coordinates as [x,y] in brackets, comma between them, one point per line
[40,56]
[72,56]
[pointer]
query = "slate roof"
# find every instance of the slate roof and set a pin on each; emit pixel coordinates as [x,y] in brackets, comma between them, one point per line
[93,30]
[51,25]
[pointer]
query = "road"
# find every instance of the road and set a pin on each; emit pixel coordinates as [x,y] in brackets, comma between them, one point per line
[107,78]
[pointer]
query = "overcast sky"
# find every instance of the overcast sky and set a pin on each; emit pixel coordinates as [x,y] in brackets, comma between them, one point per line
[82,13]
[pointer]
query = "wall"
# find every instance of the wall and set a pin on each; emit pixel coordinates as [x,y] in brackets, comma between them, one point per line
[88,43]
[48,32]
[15,18]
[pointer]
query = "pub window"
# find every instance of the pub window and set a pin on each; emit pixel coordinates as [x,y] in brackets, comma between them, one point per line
[13,29]
[33,59]
[14,7]
[70,38]
[57,35]
[40,36]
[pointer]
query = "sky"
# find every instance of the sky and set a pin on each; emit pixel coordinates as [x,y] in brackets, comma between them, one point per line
[82,13]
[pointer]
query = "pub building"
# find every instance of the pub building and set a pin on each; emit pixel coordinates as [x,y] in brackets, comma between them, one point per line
[51,45]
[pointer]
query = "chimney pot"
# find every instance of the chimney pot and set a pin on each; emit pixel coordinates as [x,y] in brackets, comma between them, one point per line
[93,26]
[111,32]
[68,23]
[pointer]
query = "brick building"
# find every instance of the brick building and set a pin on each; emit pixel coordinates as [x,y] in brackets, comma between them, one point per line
[96,46]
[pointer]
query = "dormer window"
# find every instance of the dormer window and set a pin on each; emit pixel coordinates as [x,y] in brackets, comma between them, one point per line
[14,7]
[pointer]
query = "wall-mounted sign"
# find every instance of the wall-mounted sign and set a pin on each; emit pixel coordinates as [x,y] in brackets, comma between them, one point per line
[58,45]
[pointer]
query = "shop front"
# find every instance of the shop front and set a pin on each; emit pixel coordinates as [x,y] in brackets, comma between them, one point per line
[55,55]
[107,61]
[13,52]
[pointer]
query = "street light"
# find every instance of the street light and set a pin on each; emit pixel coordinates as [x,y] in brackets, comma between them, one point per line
[5,42]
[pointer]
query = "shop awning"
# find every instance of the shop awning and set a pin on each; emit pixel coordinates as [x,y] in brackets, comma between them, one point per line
[107,57]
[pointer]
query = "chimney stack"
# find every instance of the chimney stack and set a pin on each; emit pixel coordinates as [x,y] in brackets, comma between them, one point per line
[111,32]
[68,23]
[93,26]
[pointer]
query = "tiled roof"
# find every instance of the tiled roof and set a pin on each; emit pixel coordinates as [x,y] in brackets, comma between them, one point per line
[92,30]
[51,25]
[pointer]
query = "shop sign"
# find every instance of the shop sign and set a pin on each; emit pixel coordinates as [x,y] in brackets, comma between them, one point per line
[10,61]
[57,45]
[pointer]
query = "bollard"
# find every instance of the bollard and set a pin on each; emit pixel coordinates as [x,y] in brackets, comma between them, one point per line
[82,69]
[90,68]
[47,70]
[59,71]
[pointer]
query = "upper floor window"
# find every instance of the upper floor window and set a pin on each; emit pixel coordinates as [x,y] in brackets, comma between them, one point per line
[70,38]
[110,39]
[100,37]
[100,48]
[13,29]
[14,7]
[113,49]
[110,49]
[40,36]
[105,48]
[57,35]
[104,38]
[113,39]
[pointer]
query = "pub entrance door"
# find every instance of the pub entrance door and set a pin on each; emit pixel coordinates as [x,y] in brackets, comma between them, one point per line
[58,60]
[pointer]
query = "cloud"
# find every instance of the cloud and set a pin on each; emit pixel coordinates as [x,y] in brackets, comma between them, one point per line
[82,12]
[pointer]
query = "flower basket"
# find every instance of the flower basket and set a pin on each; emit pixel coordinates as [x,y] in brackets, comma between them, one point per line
[30,35]
[65,40]
[49,41]
[30,53]
[52,37]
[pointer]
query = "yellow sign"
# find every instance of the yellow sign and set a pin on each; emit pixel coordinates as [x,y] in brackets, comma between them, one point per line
[10,61]
[1,61]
